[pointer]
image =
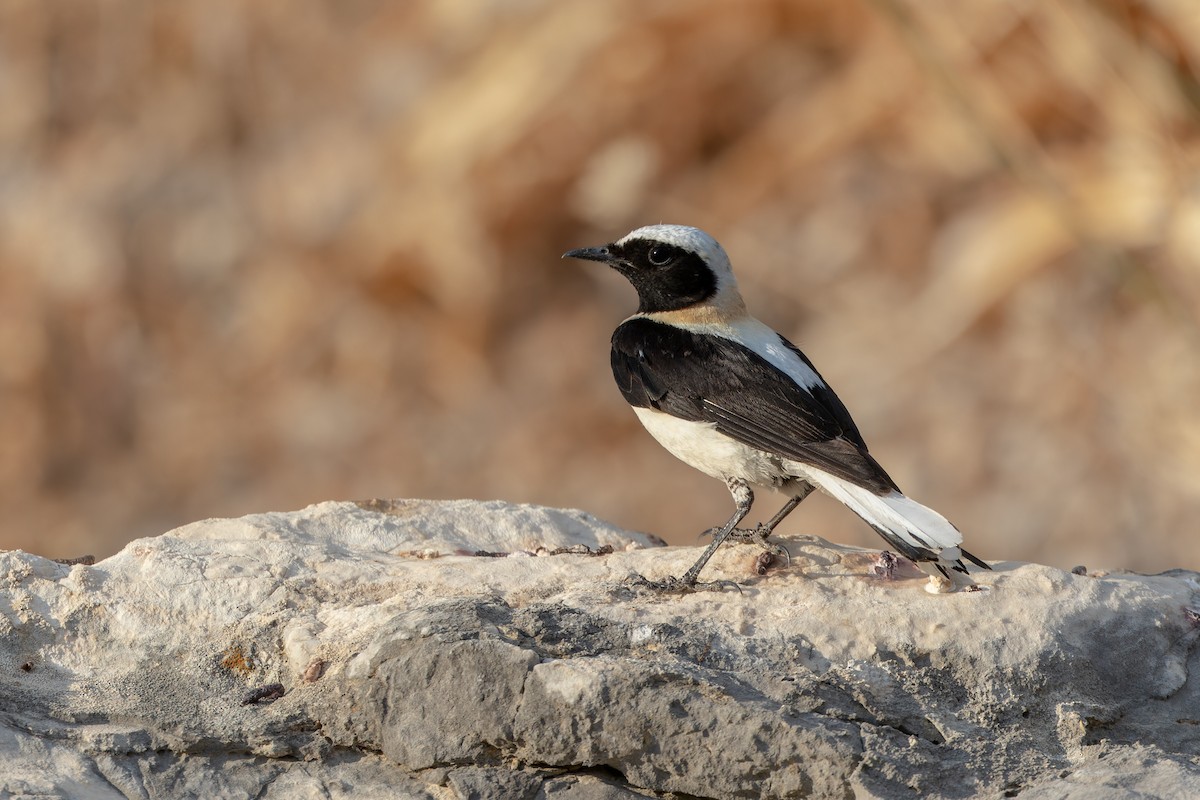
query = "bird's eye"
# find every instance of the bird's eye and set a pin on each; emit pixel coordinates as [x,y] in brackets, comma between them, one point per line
[659,255]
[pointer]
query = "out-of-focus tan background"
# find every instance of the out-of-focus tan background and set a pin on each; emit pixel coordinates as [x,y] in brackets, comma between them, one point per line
[258,255]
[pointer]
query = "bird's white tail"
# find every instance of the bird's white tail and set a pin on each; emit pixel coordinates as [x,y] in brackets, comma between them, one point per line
[917,531]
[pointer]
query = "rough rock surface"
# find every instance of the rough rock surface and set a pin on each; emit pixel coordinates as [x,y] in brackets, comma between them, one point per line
[366,651]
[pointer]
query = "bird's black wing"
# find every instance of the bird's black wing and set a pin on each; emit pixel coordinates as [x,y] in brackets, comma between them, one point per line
[830,401]
[706,378]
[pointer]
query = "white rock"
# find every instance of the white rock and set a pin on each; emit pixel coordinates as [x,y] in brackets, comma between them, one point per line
[410,669]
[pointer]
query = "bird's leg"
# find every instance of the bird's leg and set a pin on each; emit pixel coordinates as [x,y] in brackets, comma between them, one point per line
[762,531]
[743,498]
[759,533]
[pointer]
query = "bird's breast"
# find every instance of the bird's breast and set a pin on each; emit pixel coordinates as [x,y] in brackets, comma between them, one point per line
[702,446]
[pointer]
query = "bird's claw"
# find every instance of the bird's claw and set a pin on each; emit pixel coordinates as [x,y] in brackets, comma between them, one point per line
[756,535]
[778,550]
[673,585]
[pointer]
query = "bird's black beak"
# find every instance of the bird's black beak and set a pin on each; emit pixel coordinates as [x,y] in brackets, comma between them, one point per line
[604,254]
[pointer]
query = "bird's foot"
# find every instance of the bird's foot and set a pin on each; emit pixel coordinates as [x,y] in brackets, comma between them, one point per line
[756,535]
[673,585]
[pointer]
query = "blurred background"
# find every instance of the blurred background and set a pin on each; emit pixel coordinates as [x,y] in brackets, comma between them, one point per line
[259,255]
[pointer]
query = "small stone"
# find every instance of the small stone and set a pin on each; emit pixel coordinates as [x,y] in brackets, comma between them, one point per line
[314,670]
[269,694]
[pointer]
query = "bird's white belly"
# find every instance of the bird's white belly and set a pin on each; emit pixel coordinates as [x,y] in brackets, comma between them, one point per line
[713,453]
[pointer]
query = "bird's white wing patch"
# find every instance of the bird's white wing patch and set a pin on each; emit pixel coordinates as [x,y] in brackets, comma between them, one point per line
[761,339]
[748,332]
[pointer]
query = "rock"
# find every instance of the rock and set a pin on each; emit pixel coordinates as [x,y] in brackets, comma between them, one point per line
[410,667]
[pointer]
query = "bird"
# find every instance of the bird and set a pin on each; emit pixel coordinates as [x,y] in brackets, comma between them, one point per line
[731,397]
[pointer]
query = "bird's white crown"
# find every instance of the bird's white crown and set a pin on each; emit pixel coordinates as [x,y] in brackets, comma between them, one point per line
[694,240]
[684,236]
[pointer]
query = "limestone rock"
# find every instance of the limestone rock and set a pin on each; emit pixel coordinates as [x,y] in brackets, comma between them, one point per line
[367,651]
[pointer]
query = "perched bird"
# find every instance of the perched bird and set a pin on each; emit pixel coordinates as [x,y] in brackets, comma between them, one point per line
[736,400]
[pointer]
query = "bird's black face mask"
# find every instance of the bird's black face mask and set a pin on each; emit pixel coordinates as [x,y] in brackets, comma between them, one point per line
[666,277]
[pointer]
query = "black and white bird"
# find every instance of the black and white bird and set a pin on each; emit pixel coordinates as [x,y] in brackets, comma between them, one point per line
[736,400]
